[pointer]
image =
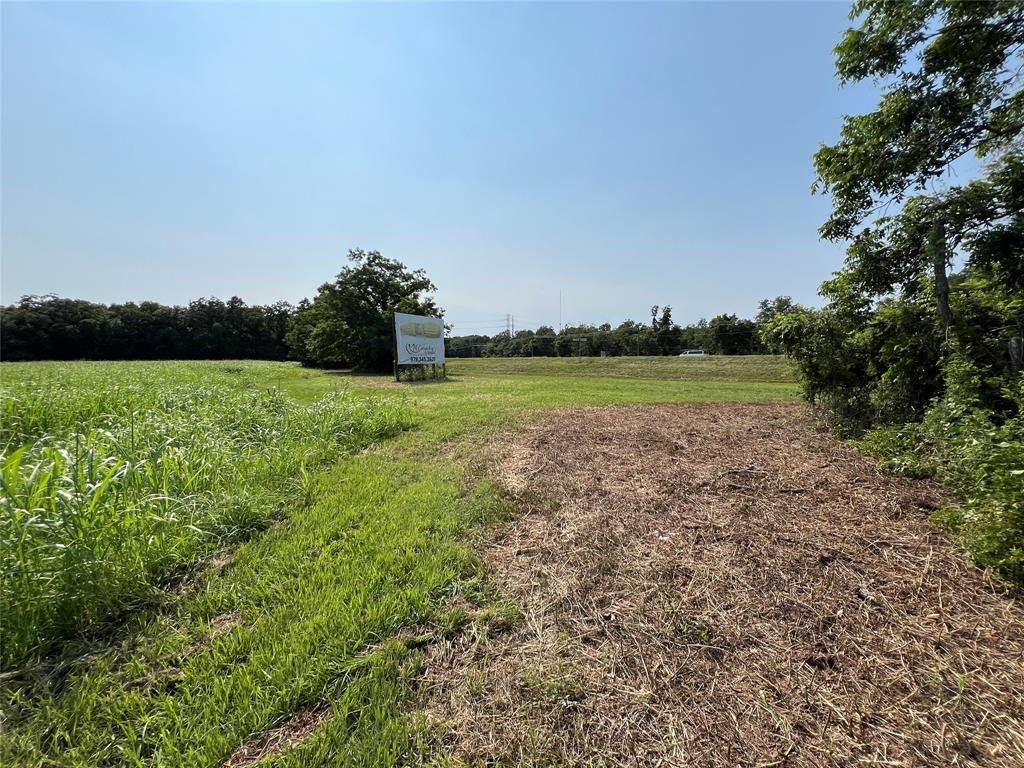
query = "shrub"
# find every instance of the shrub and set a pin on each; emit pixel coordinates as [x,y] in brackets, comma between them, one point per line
[980,459]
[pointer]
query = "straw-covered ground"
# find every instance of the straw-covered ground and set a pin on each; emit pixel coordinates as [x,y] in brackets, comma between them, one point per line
[723,585]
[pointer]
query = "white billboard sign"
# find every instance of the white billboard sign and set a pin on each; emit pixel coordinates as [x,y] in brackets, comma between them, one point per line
[418,339]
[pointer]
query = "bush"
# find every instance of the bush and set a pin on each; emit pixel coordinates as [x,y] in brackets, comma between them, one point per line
[980,459]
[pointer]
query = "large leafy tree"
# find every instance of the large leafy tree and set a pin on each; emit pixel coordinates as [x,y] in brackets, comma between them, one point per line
[767,311]
[731,335]
[348,324]
[951,74]
[667,334]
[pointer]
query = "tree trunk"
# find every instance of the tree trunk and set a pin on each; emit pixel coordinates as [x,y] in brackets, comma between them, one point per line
[938,249]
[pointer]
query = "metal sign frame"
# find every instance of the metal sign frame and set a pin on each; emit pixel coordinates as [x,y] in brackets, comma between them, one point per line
[419,325]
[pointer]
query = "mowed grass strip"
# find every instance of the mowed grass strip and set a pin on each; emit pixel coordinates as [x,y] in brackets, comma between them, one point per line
[311,615]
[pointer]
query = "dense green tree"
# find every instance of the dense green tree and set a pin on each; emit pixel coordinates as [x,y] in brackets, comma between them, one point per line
[352,315]
[632,338]
[148,331]
[505,344]
[696,336]
[726,334]
[299,331]
[731,335]
[767,310]
[348,324]
[467,346]
[51,328]
[523,343]
[667,335]
[544,341]
[271,330]
[952,75]
[575,341]
[921,357]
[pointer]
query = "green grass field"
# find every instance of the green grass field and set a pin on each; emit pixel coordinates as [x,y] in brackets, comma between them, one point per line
[198,626]
[760,368]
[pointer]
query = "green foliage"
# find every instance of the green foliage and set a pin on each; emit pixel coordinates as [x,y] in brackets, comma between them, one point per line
[885,363]
[300,329]
[723,335]
[831,369]
[981,459]
[349,323]
[921,358]
[114,479]
[667,335]
[768,310]
[930,410]
[52,328]
[950,91]
[730,335]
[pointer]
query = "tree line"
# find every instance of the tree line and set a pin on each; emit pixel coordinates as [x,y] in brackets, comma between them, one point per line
[53,328]
[724,334]
[346,325]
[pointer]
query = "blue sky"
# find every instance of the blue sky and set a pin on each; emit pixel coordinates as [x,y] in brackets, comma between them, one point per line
[623,154]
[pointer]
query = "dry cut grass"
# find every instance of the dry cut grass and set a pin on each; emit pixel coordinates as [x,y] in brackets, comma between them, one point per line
[722,585]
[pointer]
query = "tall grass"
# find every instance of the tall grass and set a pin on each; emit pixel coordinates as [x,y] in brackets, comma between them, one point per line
[113,478]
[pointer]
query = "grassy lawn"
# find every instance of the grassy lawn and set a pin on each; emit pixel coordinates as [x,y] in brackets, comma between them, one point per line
[761,368]
[326,610]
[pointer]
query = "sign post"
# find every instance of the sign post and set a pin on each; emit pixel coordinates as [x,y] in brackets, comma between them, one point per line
[394,342]
[419,340]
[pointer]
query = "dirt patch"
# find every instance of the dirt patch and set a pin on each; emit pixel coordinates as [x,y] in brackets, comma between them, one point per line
[723,585]
[277,741]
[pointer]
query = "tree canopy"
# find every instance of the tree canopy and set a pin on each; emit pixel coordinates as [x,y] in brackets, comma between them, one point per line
[951,73]
[52,328]
[348,323]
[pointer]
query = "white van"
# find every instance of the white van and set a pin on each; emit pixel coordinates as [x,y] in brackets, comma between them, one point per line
[694,353]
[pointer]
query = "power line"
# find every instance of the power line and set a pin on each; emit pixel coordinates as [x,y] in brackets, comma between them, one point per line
[481,320]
